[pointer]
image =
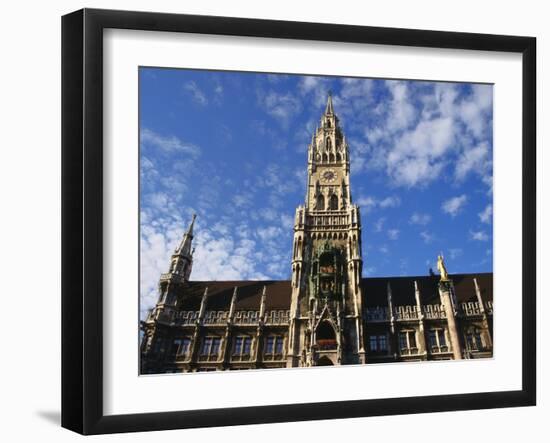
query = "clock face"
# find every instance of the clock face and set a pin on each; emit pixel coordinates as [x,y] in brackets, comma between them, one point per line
[329,176]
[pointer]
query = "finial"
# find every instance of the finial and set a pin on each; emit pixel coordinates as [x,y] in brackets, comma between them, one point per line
[190,229]
[329,109]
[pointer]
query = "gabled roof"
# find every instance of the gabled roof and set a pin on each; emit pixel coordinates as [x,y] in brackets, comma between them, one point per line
[278,292]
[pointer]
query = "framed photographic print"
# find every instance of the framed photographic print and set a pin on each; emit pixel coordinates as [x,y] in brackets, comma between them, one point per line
[271,221]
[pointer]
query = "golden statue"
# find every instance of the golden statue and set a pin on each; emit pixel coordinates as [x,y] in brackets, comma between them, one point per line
[441,268]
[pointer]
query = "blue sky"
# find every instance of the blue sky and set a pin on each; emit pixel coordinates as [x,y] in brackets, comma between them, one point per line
[232,147]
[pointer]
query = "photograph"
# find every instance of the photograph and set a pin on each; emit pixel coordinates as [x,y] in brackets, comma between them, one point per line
[294,221]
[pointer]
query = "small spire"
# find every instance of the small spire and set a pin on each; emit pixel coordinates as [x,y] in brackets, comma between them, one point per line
[191,225]
[329,109]
[185,247]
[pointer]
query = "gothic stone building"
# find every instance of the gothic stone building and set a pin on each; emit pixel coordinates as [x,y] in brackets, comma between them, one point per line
[327,314]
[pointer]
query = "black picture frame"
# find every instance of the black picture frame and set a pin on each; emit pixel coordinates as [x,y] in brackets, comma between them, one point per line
[82,215]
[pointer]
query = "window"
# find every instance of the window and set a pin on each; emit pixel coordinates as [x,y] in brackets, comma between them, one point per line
[437,340]
[474,341]
[378,343]
[210,348]
[181,346]
[320,202]
[273,346]
[333,202]
[407,342]
[383,343]
[241,348]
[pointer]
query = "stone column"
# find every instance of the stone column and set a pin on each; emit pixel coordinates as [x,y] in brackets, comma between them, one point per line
[229,331]
[445,288]
[198,325]
[394,342]
[421,336]
[488,338]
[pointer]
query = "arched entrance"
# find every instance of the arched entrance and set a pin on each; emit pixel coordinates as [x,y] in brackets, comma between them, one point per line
[325,361]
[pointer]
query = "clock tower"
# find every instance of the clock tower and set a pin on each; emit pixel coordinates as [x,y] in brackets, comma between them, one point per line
[326,326]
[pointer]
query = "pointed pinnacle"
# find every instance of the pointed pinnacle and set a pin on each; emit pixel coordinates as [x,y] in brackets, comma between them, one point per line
[329,109]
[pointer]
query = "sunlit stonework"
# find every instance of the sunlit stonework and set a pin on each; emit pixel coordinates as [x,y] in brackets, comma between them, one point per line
[327,314]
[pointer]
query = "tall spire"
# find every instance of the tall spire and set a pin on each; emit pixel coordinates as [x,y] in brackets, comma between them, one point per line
[329,109]
[185,245]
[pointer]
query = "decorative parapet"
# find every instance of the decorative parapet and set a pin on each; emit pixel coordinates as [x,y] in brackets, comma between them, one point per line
[489,308]
[170,277]
[246,317]
[433,311]
[406,313]
[215,317]
[323,220]
[277,317]
[470,309]
[187,317]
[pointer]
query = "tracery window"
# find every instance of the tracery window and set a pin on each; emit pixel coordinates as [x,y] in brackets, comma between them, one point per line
[407,342]
[241,348]
[437,340]
[273,347]
[378,343]
[210,348]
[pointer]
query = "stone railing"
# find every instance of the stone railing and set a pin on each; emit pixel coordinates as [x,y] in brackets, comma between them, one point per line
[172,277]
[276,317]
[246,317]
[215,317]
[405,313]
[377,314]
[470,308]
[187,317]
[333,219]
[433,311]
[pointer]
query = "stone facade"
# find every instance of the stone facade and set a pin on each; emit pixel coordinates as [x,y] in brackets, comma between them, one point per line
[327,314]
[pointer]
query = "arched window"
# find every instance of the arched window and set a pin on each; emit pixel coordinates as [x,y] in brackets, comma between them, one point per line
[333,202]
[325,337]
[338,157]
[329,144]
[325,158]
[320,202]
[331,157]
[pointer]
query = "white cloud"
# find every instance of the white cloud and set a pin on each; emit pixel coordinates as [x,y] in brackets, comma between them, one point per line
[476,159]
[420,219]
[389,202]
[454,205]
[168,144]
[368,203]
[479,235]
[418,156]
[402,112]
[393,234]
[379,224]
[455,253]
[425,129]
[486,216]
[427,237]
[196,93]
[282,107]
[242,200]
